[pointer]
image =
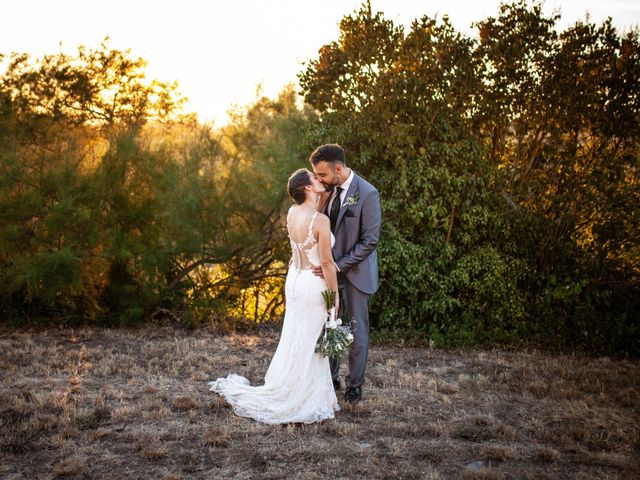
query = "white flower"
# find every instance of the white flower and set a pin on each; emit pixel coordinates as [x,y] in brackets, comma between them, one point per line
[352,200]
[331,321]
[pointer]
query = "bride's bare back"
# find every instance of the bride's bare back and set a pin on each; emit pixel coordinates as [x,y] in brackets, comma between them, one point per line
[304,243]
[311,242]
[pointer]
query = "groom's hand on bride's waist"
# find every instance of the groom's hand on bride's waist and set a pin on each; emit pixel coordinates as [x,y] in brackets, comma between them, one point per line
[318,270]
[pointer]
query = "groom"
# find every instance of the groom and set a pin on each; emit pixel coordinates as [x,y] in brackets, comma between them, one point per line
[353,208]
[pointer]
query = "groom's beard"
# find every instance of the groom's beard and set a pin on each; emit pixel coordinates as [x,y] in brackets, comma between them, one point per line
[330,186]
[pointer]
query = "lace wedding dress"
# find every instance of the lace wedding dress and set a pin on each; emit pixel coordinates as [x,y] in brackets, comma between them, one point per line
[297,386]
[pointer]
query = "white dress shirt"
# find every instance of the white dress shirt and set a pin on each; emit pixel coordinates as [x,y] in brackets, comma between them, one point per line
[345,186]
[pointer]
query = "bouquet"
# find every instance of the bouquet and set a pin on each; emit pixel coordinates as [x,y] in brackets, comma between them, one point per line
[335,339]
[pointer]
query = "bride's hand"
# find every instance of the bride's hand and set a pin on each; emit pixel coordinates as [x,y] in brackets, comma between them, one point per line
[336,305]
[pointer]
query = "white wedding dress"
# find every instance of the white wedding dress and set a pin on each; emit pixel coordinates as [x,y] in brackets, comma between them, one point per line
[297,386]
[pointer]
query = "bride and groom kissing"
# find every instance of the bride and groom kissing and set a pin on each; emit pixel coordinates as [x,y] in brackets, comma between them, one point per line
[333,227]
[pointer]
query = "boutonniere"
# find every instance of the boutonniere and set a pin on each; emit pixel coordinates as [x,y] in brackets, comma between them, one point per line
[352,200]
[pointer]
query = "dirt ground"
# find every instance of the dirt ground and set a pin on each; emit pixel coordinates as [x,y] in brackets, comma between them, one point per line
[123,403]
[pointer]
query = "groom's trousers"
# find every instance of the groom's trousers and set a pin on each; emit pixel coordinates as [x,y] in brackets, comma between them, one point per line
[354,309]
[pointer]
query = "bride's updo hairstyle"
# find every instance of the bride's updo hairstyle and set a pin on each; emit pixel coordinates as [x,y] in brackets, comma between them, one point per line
[295,186]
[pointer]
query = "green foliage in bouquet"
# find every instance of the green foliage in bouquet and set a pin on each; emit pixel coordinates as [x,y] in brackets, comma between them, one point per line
[335,339]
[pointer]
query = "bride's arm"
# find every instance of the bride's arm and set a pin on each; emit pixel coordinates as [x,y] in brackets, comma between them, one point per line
[326,257]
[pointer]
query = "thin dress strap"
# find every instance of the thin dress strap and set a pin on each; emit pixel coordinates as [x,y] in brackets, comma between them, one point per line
[311,223]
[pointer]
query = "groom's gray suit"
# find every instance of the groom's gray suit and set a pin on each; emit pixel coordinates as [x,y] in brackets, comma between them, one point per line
[357,230]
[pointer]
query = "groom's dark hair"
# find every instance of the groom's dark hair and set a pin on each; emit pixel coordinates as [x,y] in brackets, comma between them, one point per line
[330,152]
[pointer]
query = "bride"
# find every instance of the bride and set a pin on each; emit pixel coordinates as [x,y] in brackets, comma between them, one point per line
[297,386]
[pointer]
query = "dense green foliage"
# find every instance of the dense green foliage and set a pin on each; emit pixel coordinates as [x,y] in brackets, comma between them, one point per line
[507,165]
[113,209]
[508,169]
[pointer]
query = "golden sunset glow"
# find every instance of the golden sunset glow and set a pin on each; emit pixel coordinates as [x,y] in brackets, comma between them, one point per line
[222,52]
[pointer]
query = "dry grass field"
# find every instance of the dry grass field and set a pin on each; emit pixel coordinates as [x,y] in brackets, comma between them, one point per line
[102,403]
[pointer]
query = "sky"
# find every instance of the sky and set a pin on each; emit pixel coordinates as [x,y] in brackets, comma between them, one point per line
[221,52]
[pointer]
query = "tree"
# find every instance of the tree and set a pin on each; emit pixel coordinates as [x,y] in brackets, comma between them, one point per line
[101,86]
[559,115]
[496,189]
[116,209]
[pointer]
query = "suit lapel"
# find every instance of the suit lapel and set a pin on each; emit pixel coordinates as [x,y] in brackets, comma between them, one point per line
[353,188]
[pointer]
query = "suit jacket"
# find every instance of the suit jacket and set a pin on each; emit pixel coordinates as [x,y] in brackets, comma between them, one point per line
[357,232]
